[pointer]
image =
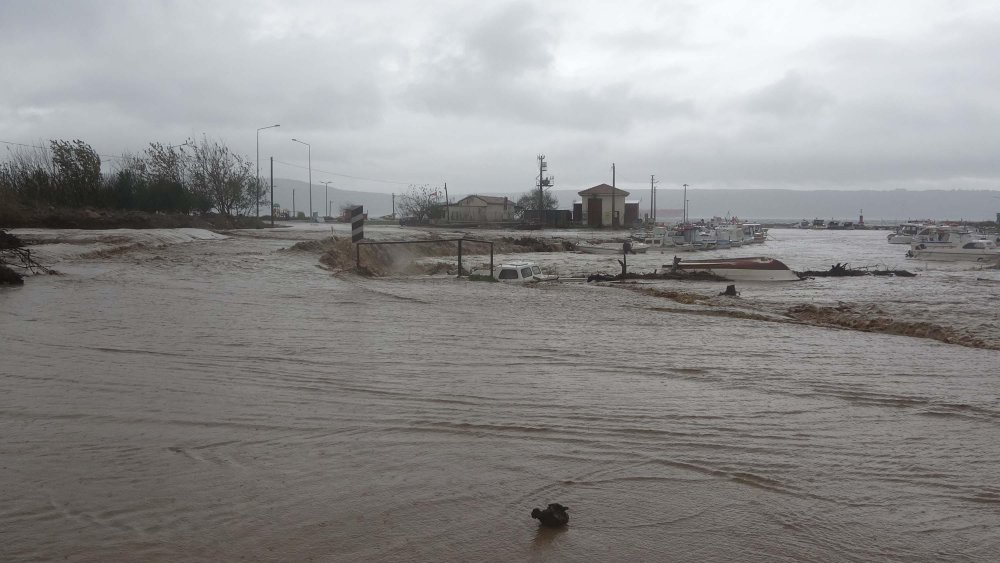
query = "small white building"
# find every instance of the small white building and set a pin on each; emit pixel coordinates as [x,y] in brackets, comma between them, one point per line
[481,209]
[603,206]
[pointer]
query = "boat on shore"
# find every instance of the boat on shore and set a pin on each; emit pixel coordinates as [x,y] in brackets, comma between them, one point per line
[749,268]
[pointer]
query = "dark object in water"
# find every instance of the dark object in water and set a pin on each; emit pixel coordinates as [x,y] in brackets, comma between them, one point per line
[839,270]
[730,291]
[554,516]
[10,277]
[664,275]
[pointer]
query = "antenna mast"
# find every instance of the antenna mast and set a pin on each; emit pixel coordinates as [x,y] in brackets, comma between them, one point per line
[543,182]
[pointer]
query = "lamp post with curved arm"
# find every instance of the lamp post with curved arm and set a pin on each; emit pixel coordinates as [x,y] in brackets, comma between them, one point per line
[308,146]
[257,178]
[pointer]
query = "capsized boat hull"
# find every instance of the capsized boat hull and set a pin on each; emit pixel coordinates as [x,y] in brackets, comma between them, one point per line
[637,248]
[750,268]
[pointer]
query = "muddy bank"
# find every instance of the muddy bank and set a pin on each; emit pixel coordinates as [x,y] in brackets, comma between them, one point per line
[339,253]
[15,216]
[865,318]
[873,319]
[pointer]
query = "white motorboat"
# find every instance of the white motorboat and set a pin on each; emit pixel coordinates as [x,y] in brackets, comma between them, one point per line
[728,236]
[981,250]
[751,268]
[686,238]
[905,232]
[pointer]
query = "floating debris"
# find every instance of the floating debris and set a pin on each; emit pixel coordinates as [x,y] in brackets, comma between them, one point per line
[845,270]
[655,275]
[555,516]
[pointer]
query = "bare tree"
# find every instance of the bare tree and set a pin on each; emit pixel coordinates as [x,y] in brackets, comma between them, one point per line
[224,178]
[421,203]
[27,174]
[530,200]
[77,174]
[167,163]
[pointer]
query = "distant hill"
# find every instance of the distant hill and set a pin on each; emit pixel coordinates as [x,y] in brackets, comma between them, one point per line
[776,205]
[791,205]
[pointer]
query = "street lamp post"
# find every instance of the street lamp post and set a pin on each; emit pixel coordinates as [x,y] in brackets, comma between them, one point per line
[327,183]
[257,178]
[308,146]
[685,203]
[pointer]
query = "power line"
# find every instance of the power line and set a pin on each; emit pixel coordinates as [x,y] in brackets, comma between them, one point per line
[349,176]
[21,145]
[46,148]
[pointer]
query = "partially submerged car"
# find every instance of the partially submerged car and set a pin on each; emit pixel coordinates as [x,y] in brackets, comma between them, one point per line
[517,272]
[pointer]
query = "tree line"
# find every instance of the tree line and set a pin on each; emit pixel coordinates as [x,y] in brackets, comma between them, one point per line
[422,203]
[195,177]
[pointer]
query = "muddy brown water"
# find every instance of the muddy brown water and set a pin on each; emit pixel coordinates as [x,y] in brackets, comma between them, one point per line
[219,400]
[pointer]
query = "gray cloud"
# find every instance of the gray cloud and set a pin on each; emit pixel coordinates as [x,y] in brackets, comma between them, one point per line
[806,94]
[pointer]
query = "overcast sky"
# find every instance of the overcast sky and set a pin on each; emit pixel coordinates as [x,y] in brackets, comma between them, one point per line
[717,94]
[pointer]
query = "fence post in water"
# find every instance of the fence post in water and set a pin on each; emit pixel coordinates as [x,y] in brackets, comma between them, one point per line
[459,257]
[491,259]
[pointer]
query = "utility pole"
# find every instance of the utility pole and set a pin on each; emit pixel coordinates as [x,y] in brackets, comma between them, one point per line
[447,207]
[327,183]
[272,191]
[294,216]
[543,182]
[257,179]
[613,190]
[393,206]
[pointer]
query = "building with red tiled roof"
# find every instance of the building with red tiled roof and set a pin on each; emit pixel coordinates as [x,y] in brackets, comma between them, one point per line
[481,209]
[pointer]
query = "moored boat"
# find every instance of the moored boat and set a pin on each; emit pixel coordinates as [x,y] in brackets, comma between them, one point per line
[983,251]
[749,268]
[905,232]
[754,233]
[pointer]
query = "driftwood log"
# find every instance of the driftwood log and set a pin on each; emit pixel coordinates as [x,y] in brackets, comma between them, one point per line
[845,270]
[13,255]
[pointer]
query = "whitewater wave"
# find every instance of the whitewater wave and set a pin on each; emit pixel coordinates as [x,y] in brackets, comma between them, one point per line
[61,244]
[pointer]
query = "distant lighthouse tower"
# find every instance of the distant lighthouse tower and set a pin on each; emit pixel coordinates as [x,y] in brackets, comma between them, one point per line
[861,218]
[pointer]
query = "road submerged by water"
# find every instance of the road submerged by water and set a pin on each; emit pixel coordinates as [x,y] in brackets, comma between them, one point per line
[224,399]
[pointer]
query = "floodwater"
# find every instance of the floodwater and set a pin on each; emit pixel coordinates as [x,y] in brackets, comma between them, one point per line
[200,398]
